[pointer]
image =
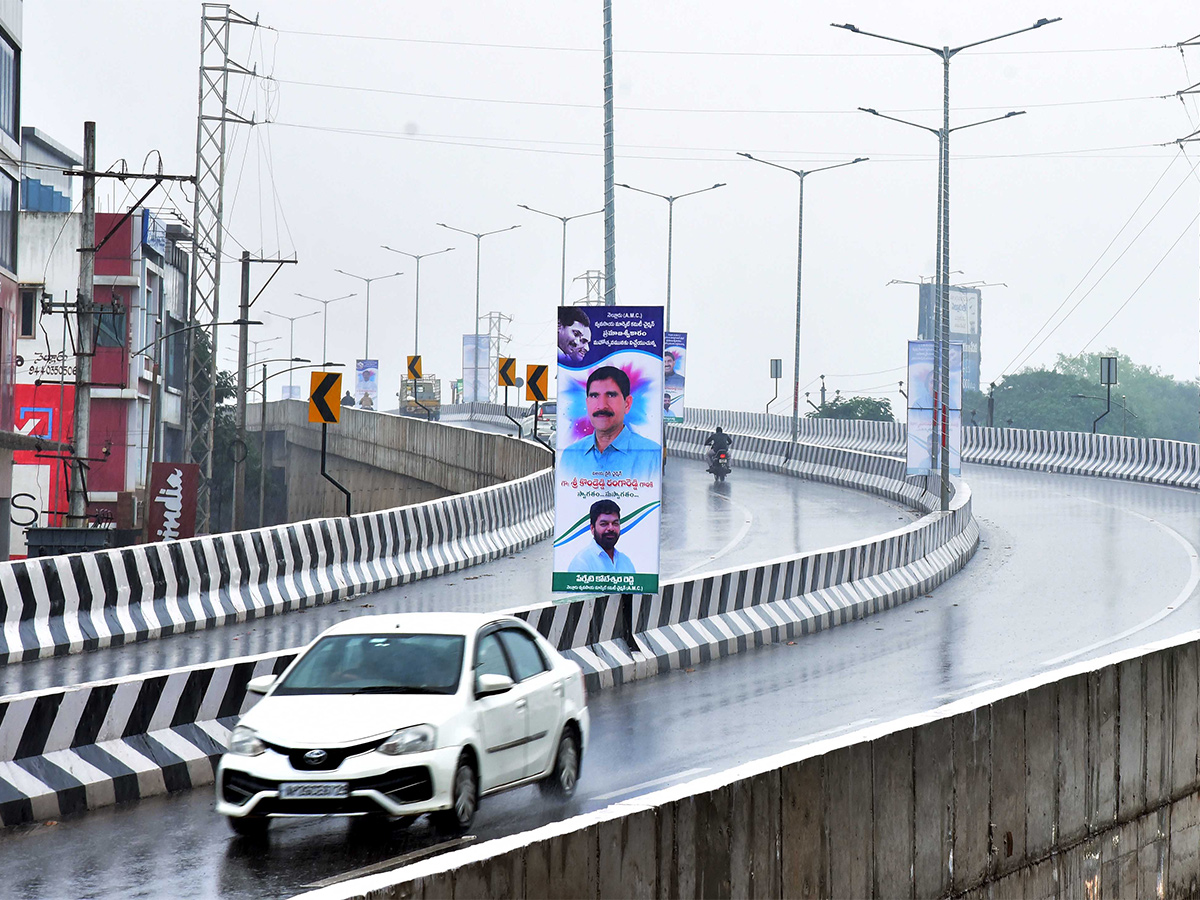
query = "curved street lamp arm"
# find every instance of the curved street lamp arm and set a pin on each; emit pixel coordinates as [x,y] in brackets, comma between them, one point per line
[163,337]
[884,37]
[1038,24]
[630,187]
[767,162]
[292,318]
[417,256]
[1007,115]
[701,191]
[876,112]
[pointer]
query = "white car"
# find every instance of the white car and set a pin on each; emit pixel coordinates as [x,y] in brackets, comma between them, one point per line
[399,715]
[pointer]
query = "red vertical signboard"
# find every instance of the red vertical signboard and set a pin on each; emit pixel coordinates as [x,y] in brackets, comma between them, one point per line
[172,512]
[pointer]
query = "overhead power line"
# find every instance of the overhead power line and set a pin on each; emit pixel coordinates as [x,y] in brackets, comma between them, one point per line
[659,52]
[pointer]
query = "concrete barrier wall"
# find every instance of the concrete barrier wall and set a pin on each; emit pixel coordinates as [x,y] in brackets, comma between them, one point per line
[1069,452]
[1078,783]
[454,459]
[492,413]
[70,604]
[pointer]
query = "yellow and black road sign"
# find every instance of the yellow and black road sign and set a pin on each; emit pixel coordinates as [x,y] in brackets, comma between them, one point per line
[535,382]
[324,396]
[507,372]
[414,367]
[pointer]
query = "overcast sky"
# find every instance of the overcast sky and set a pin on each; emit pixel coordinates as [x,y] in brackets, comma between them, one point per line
[389,117]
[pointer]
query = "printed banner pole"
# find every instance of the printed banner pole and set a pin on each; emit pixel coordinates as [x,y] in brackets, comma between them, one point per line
[608,473]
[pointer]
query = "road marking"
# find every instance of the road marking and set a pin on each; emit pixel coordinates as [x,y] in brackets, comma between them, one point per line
[738,538]
[1181,598]
[861,723]
[648,784]
[969,689]
[395,861]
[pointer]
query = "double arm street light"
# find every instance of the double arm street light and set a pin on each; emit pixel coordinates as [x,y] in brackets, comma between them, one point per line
[670,232]
[417,293]
[800,174]
[564,220]
[942,343]
[479,236]
[325,327]
[367,325]
[291,320]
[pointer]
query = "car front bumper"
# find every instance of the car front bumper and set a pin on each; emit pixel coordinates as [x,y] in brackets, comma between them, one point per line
[396,785]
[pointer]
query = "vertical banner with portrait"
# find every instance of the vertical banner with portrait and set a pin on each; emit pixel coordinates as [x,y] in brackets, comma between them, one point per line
[608,463]
[674,375]
[922,406]
[366,383]
[476,369]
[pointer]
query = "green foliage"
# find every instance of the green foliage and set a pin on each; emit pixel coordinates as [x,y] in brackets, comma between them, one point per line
[1069,397]
[855,408]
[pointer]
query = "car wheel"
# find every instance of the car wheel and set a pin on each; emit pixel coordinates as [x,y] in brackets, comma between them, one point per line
[464,797]
[249,826]
[564,776]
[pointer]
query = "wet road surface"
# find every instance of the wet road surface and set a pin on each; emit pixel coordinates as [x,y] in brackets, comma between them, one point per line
[1065,564]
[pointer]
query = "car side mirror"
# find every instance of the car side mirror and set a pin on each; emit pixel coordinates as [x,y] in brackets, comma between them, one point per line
[260,685]
[487,685]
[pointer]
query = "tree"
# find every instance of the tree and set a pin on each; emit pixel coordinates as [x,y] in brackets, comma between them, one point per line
[1069,397]
[855,408]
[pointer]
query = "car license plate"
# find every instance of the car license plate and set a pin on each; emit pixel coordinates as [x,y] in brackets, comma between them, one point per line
[305,790]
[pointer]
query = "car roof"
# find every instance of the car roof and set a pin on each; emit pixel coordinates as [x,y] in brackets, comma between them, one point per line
[418,623]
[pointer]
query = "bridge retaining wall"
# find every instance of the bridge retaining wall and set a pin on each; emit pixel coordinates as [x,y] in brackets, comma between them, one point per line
[1069,452]
[1082,782]
[64,749]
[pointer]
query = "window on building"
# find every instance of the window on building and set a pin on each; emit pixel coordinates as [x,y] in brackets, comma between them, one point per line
[29,305]
[175,351]
[10,85]
[111,329]
[9,198]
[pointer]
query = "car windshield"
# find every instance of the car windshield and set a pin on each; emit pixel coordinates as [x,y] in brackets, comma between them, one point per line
[378,664]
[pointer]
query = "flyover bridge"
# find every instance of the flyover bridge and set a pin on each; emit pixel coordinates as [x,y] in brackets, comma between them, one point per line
[1015,612]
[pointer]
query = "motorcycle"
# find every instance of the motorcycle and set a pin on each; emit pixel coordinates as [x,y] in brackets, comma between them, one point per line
[719,467]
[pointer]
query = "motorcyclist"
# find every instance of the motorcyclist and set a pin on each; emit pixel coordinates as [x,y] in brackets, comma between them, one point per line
[717,442]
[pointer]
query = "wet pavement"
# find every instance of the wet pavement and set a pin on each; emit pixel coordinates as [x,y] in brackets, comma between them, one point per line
[751,517]
[1065,564]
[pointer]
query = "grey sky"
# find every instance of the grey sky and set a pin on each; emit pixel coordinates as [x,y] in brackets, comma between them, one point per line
[1035,200]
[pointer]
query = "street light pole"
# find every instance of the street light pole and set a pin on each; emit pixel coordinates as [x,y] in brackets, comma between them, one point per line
[325,327]
[942,344]
[800,174]
[417,294]
[670,233]
[564,219]
[479,236]
[292,336]
[367,325]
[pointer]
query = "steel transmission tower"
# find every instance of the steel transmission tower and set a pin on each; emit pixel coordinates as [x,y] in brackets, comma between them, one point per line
[496,341]
[214,114]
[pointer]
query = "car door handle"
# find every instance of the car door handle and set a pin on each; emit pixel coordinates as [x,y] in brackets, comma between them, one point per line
[520,704]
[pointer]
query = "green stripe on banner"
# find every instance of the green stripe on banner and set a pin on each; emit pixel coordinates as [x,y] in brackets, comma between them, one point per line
[605,583]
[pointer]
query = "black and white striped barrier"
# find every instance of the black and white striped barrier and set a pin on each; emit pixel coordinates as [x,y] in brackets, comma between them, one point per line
[66,749]
[69,604]
[1069,452]
[618,638]
[491,413]
[1074,453]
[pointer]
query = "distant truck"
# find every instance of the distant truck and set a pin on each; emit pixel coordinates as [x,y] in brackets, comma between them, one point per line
[421,397]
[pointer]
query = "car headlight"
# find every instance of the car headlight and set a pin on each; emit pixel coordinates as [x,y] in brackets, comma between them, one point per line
[415,739]
[244,742]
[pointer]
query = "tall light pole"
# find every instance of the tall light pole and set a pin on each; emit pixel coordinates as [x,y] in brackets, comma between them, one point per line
[479,236]
[325,327]
[670,233]
[367,324]
[564,219]
[942,344]
[417,293]
[292,337]
[800,174]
